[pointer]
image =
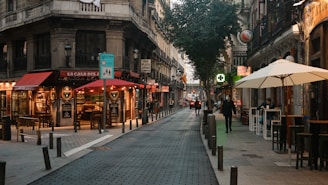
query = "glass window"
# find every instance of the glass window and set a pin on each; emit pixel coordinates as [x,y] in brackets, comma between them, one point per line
[19,55]
[42,53]
[88,45]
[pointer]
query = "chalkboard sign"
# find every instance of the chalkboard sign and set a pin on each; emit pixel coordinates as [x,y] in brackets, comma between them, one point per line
[67,110]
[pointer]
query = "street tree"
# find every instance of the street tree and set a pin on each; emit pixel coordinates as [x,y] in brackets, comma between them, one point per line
[201,29]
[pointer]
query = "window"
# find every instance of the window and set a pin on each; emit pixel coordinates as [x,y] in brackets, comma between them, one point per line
[19,55]
[10,5]
[3,59]
[88,45]
[42,51]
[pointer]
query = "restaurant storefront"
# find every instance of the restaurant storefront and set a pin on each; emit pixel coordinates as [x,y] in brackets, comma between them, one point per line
[50,96]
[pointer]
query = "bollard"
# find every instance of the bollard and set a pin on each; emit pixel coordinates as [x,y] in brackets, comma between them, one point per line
[51,140]
[75,126]
[99,125]
[46,158]
[52,126]
[213,145]
[206,131]
[130,124]
[220,158]
[137,122]
[39,137]
[211,129]
[123,125]
[59,147]
[21,131]
[233,175]
[152,117]
[2,172]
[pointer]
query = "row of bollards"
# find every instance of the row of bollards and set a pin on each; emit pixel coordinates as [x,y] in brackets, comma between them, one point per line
[209,131]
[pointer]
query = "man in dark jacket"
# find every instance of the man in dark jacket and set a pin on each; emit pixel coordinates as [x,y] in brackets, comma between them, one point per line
[227,108]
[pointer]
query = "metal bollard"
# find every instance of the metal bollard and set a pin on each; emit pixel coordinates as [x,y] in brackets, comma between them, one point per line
[213,145]
[206,131]
[152,117]
[39,137]
[2,172]
[46,158]
[99,125]
[51,140]
[233,175]
[21,131]
[75,126]
[130,124]
[59,147]
[137,122]
[220,158]
[123,127]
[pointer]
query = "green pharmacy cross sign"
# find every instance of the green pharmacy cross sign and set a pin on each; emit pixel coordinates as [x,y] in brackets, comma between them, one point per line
[220,77]
[106,66]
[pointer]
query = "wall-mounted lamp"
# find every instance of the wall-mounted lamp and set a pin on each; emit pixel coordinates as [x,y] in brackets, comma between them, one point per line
[68,49]
[135,57]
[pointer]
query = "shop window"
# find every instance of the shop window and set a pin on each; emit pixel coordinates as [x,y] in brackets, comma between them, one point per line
[20,103]
[88,45]
[42,53]
[19,58]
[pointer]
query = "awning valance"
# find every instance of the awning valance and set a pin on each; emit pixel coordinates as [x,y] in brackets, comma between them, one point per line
[109,83]
[31,80]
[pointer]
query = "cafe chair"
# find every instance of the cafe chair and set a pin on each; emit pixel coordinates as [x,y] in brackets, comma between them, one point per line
[275,133]
[323,150]
[294,129]
[303,144]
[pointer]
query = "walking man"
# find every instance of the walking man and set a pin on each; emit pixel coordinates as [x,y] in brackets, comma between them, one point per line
[227,108]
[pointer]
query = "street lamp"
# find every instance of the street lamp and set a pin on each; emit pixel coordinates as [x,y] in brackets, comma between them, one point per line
[135,57]
[68,49]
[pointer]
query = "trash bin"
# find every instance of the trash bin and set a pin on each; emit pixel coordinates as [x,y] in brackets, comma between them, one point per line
[6,128]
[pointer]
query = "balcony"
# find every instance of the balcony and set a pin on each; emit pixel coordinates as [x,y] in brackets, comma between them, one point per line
[70,9]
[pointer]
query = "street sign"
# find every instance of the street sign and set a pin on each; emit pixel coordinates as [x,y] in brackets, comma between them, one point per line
[220,77]
[145,65]
[106,66]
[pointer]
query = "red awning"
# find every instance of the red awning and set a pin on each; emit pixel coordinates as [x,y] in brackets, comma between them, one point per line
[31,80]
[109,83]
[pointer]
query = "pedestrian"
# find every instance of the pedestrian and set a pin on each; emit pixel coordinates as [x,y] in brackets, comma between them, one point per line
[268,104]
[139,107]
[171,103]
[198,106]
[228,107]
[150,107]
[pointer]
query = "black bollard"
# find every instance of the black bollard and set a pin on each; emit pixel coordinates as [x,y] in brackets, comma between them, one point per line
[130,124]
[152,118]
[51,140]
[52,126]
[75,126]
[99,125]
[233,175]
[137,122]
[220,158]
[214,145]
[21,131]
[39,137]
[2,172]
[123,127]
[59,147]
[46,158]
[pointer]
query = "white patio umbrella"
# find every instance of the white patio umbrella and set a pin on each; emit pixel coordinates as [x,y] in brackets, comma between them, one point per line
[282,73]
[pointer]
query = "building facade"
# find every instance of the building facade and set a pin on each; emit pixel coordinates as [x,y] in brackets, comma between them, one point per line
[60,42]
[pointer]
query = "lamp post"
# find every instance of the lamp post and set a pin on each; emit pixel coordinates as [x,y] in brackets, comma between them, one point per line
[68,49]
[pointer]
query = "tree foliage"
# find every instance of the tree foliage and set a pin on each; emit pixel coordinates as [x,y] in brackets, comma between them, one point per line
[201,29]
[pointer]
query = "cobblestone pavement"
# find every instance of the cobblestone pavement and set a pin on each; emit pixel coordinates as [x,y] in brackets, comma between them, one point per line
[170,151]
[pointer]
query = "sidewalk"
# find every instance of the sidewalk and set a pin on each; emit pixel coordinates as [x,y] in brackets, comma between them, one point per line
[257,163]
[25,161]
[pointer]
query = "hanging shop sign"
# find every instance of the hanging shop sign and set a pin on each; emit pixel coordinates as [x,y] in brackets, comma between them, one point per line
[246,36]
[67,93]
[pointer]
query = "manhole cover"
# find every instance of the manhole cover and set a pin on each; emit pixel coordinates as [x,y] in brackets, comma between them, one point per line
[100,148]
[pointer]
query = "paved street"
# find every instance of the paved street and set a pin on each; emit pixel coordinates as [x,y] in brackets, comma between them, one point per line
[169,151]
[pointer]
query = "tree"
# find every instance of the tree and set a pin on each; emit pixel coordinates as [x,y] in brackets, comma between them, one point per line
[201,29]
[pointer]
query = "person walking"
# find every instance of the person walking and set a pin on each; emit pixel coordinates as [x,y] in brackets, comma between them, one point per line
[171,103]
[227,108]
[198,106]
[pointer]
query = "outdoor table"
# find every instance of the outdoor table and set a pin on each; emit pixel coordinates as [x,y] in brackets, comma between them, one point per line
[285,131]
[316,129]
[44,118]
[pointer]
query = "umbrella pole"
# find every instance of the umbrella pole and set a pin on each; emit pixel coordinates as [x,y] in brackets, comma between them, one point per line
[285,108]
